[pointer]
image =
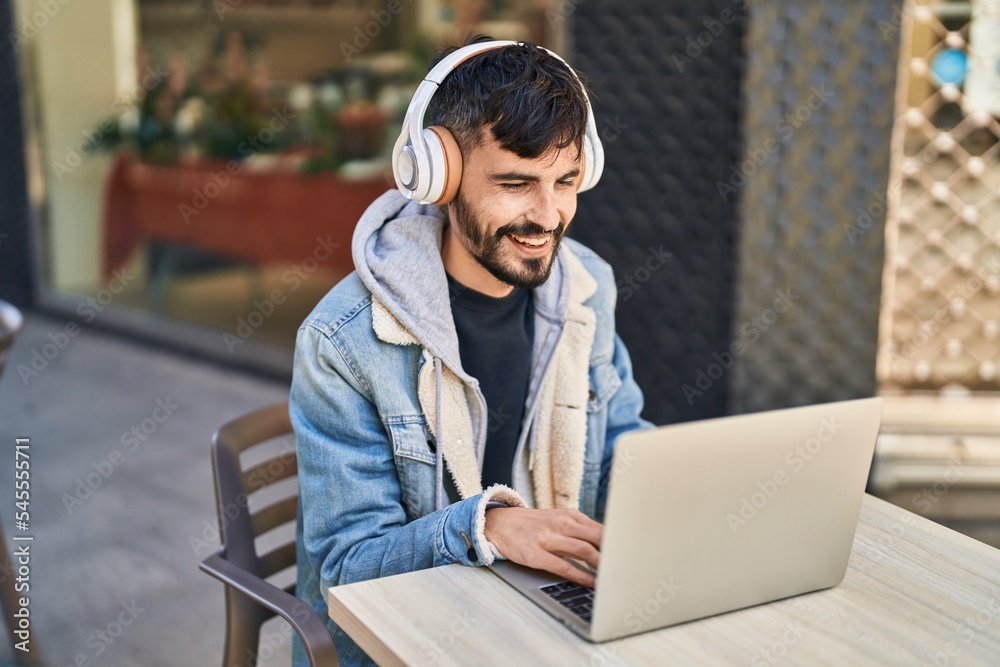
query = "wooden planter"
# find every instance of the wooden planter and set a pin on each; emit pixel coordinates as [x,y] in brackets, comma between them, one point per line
[253,216]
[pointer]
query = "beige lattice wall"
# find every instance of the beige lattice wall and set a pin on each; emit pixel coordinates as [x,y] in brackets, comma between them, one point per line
[941,285]
[939,451]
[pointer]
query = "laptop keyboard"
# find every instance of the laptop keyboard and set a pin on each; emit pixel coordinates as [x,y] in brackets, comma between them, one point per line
[576,598]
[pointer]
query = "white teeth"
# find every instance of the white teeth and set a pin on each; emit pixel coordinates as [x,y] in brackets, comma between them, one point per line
[531,242]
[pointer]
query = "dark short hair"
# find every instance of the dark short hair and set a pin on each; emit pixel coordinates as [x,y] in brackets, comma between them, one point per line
[530,100]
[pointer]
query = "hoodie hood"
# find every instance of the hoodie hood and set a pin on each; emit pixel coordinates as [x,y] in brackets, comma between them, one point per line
[397,253]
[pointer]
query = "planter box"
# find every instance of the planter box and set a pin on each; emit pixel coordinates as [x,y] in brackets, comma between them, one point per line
[254,216]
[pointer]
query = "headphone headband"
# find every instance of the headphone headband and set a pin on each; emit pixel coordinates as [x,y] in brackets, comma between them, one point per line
[427,165]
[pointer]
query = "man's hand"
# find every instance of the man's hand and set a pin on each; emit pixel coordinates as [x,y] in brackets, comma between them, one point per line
[539,538]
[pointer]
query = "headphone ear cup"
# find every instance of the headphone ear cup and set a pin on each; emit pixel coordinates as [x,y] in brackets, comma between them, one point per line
[590,168]
[446,158]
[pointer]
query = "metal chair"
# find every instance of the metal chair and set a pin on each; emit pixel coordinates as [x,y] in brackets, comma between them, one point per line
[250,600]
[11,322]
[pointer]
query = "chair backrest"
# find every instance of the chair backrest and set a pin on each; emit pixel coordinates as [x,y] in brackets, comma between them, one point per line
[246,479]
[11,322]
[246,501]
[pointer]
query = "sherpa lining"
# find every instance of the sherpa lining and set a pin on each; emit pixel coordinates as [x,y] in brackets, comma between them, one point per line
[561,435]
[499,493]
[458,444]
[387,327]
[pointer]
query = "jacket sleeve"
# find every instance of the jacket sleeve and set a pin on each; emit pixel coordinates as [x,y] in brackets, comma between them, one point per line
[624,410]
[353,521]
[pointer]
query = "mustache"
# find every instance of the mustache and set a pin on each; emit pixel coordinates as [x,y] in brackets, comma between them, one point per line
[530,229]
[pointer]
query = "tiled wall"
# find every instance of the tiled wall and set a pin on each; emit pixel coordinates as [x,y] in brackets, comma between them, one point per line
[818,109]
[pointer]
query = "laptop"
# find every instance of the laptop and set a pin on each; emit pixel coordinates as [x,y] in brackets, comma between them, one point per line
[713,516]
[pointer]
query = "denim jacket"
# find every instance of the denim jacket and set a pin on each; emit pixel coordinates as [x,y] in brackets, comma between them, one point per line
[382,410]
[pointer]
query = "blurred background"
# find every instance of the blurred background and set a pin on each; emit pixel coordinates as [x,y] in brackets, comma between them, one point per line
[800,202]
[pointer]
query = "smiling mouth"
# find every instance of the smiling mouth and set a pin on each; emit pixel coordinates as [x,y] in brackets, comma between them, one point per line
[529,241]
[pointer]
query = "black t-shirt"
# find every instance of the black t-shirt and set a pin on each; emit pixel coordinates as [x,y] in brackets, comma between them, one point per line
[495,341]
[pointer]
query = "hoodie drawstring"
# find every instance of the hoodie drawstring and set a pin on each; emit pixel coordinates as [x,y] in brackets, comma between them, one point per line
[438,468]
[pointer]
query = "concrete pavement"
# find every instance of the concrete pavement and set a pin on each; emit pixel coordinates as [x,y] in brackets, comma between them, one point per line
[120,482]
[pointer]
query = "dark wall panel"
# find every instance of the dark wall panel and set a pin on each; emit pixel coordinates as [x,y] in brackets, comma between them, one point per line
[17,270]
[666,76]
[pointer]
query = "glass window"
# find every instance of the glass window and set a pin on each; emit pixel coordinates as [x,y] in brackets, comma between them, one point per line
[205,161]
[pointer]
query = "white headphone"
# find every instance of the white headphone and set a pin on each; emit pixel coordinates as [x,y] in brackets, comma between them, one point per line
[427,162]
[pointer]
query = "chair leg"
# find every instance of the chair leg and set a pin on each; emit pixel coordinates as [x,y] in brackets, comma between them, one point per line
[243,620]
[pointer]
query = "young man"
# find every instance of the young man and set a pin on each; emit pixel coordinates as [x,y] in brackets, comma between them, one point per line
[456,399]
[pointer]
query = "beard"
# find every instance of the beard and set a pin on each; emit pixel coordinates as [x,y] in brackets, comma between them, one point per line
[503,263]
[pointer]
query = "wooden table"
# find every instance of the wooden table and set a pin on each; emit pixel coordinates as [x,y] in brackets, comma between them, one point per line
[916,593]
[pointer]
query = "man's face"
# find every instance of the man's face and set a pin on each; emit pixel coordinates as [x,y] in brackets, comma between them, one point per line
[511,213]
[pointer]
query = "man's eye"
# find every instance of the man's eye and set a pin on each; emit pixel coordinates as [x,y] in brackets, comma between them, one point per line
[514,187]
[568,183]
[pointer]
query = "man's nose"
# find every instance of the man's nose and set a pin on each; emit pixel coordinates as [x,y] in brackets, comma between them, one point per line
[545,211]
